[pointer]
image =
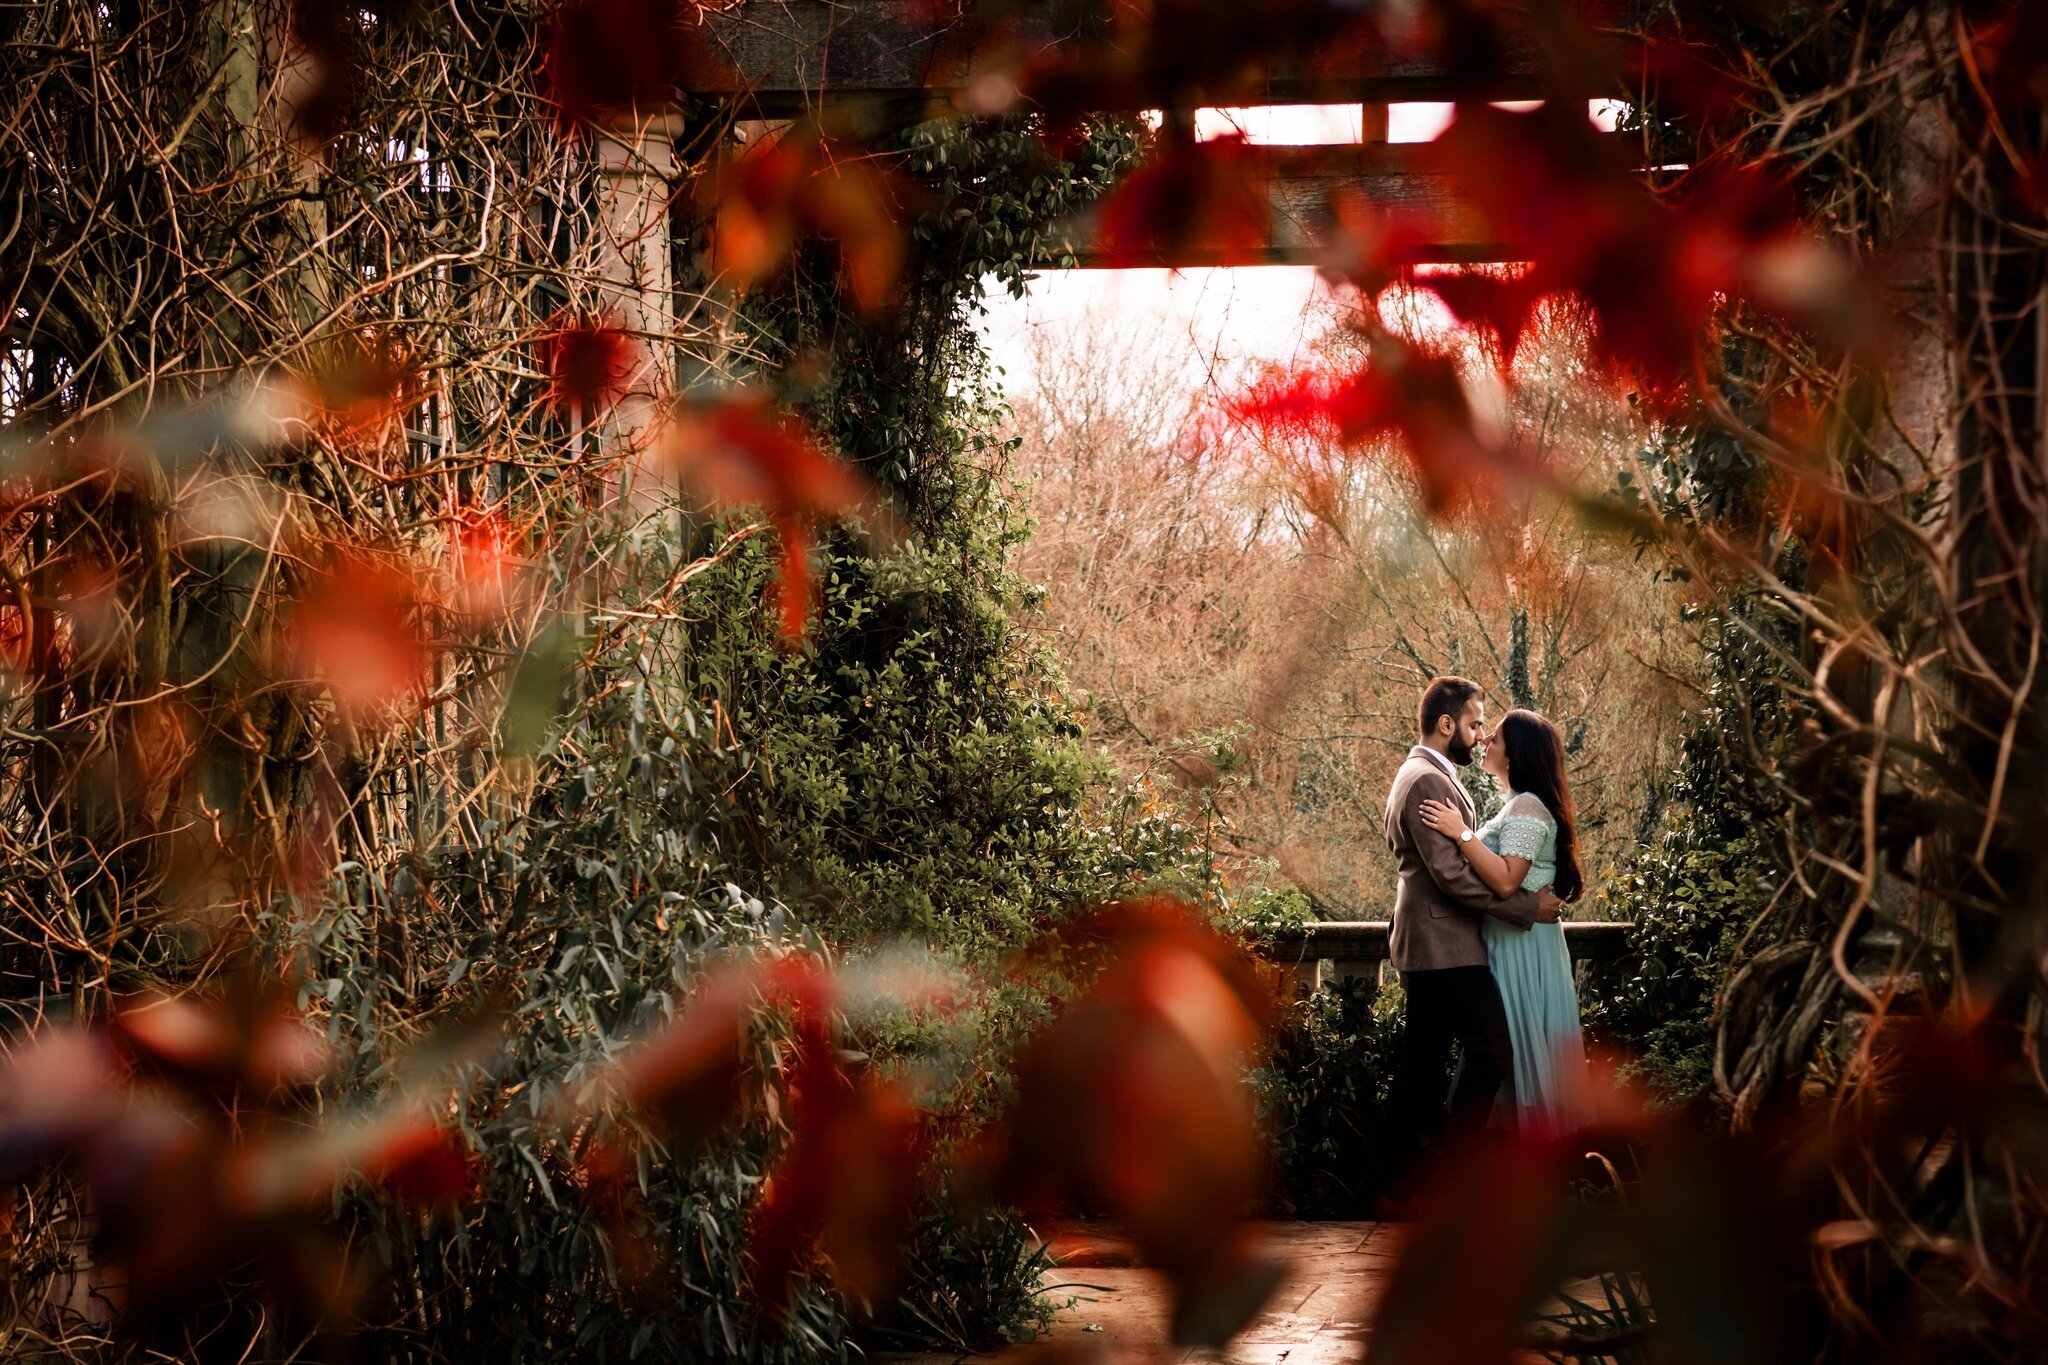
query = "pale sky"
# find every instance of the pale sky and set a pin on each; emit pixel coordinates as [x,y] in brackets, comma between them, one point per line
[1212,320]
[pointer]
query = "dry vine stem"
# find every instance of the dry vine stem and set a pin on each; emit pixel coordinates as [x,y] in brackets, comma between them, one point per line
[288,490]
[1914,825]
[379,302]
[187,741]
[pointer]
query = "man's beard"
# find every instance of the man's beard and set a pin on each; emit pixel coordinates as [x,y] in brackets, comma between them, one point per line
[1459,752]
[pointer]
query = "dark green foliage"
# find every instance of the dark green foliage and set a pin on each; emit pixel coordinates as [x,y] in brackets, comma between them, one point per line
[589,902]
[922,771]
[1714,866]
[1263,913]
[914,769]
[1711,862]
[969,1287]
[1322,1095]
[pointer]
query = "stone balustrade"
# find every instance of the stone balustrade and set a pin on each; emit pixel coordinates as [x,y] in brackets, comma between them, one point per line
[1331,950]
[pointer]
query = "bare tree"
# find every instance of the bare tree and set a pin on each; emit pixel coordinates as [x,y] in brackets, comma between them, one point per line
[1253,622]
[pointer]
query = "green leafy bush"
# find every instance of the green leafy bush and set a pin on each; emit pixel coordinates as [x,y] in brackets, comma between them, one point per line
[915,770]
[1322,1097]
[1711,870]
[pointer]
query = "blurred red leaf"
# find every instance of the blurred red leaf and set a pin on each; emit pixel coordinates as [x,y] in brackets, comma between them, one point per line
[796,183]
[846,1188]
[847,1184]
[1679,77]
[607,58]
[608,1177]
[1564,197]
[1960,1067]
[1490,1246]
[422,1162]
[1370,247]
[1135,1099]
[181,1034]
[361,385]
[1501,301]
[54,1088]
[742,450]
[248,1038]
[588,364]
[685,1079]
[192,1122]
[484,561]
[2005,52]
[1190,200]
[1407,390]
[1183,54]
[683,1084]
[357,628]
[322,75]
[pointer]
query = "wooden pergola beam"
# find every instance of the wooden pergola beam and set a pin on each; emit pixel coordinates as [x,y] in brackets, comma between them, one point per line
[780,59]
[787,57]
[1299,186]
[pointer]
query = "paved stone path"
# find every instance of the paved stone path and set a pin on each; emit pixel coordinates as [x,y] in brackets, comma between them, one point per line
[1318,1316]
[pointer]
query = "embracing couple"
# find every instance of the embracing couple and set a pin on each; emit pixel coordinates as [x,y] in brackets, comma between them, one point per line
[1476,940]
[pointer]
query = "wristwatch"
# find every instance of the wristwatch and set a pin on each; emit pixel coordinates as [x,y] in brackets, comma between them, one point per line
[1464,836]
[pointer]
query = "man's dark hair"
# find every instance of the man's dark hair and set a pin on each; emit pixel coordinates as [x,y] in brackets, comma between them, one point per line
[1446,697]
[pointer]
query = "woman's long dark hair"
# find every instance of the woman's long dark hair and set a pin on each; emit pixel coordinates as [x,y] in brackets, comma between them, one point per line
[1536,766]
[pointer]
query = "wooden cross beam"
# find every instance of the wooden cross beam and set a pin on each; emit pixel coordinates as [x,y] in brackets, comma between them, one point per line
[784,58]
[1299,185]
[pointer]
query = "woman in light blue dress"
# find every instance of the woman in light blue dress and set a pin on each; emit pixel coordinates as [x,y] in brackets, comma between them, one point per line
[1531,844]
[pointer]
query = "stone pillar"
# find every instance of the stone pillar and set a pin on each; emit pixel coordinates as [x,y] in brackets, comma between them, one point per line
[635,290]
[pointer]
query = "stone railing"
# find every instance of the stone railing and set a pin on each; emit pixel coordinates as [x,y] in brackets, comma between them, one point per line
[1332,950]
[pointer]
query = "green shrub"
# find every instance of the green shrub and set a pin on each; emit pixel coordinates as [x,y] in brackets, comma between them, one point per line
[1710,871]
[914,770]
[1263,913]
[968,1287]
[1322,1098]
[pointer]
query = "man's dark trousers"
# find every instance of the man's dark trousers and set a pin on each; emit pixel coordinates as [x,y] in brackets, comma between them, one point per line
[1446,1004]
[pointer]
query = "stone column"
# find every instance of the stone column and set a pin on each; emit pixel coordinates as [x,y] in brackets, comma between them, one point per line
[635,290]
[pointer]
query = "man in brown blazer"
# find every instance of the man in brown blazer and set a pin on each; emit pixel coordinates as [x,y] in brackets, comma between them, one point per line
[1435,943]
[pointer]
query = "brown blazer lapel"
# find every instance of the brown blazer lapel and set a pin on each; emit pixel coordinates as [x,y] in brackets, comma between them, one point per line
[1428,755]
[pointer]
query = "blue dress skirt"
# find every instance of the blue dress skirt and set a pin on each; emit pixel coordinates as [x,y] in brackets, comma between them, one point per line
[1533,969]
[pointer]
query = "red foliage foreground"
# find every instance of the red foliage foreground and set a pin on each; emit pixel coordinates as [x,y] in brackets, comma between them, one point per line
[193,1124]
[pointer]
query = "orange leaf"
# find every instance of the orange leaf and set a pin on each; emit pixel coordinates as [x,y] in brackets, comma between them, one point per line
[1135,1099]
[588,365]
[743,450]
[1190,201]
[685,1078]
[483,556]
[1489,1248]
[796,184]
[363,383]
[1408,391]
[612,58]
[357,628]
[422,1163]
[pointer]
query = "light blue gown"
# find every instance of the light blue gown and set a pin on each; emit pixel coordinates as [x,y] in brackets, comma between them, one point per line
[1534,971]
